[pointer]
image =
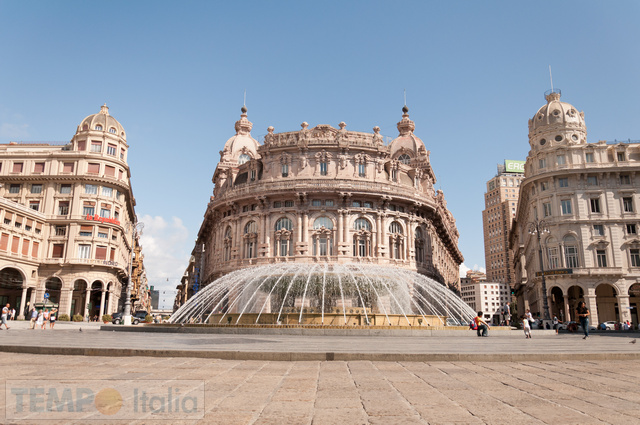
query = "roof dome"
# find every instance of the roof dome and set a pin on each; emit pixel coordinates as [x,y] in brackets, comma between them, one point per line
[241,147]
[102,121]
[406,142]
[557,122]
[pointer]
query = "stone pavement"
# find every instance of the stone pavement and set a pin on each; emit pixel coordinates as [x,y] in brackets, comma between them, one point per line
[360,392]
[66,339]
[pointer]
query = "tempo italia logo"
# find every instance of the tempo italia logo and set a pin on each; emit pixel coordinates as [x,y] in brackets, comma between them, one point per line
[104,399]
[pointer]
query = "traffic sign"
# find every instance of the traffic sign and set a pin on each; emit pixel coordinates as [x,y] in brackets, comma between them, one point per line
[46,295]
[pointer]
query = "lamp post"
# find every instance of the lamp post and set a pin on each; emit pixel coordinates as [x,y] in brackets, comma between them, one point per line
[537,227]
[134,227]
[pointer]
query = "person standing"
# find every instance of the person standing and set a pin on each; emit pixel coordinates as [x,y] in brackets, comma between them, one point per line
[483,327]
[530,318]
[556,323]
[40,319]
[507,313]
[583,316]
[5,315]
[52,318]
[13,314]
[33,317]
[45,316]
[526,327]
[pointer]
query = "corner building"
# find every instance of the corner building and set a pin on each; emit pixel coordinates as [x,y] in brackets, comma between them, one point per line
[63,215]
[586,194]
[325,195]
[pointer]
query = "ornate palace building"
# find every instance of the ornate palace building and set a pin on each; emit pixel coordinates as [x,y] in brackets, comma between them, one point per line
[64,211]
[583,197]
[324,195]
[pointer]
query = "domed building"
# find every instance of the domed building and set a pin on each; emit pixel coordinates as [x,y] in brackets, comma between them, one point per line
[324,196]
[575,236]
[64,212]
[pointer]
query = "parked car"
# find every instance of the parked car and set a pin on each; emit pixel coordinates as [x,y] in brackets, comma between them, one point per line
[137,317]
[574,326]
[609,326]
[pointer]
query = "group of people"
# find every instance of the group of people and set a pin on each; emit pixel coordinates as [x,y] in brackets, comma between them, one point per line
[42,317]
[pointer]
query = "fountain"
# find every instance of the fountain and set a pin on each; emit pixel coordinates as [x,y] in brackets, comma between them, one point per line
[325,295]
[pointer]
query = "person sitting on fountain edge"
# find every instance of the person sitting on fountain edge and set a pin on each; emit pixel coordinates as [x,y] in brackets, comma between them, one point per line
[482,325]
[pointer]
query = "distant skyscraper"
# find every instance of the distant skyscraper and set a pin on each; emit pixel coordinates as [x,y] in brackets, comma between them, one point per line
[500,204]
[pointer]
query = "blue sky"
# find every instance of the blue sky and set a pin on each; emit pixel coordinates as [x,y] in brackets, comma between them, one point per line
[173,74]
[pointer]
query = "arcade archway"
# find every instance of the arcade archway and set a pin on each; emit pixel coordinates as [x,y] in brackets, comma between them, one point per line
[607,303]
[11,281]
[575,294]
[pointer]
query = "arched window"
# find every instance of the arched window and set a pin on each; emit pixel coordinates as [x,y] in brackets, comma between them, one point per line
[251,239]
[553,254]
[362,224]
[571,256]
[405,159]
[283,234]
[112,130]
[419,243]
[396,241]
[323,222]
[228,242]
[243,158]
[284,223]
[98,127]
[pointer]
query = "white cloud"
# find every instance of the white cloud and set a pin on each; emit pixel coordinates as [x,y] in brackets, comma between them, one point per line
[166,248]
[464,269]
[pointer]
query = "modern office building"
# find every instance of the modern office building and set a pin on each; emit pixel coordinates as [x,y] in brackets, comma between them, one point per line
[500,202]
[65,221]
[485,296]
[578,213]
[325,195]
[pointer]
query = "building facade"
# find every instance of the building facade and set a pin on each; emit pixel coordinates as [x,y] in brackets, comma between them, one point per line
[484,296]
[500,201]
[325,195]
[584,198]
[64,211]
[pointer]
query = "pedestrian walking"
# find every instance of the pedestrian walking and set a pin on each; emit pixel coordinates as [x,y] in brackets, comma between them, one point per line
[5,315]
[556,324]
[530,318]
[583,315]
[52,318]
[40,319]
[483,327]
[506,311]
[13,314]
[33,316]
[526,326]
[45,317]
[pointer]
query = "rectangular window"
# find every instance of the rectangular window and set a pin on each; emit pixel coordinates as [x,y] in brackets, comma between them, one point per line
[631,229]
[36,188]
[595,205]
[104,212]
[84,251]
[621,156]
[544,186]
[91,189]
[588,157]
[38,167]
[58,250]
[25,247]
[109,171]
[65,189]
[112,255]
[34,249]
[103,233]
[367,205]
[361,170]
[252,175]
[560,159]
[96,146]
[566,206]
[15,244]
[17,167]
[592,180]
[88,210]
[34,205]
[602,257]
[93,168]
[316,203]
[4,242]
[67,167]
[61,230]
[120,174]
[598,230]
[14,188]
[625,179]
[288,203]
[82,145]
[547,209]
[542,163]
[328,203]
[554,258]
[563,182]
[122,154]
[107,191]
[86,231]
[285,170]
[277,204]
[111,149]
[627,204]
[101,253]
[323,168]
[635,257]
[356,204]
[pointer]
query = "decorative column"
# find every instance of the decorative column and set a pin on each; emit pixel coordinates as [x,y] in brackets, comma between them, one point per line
[86,302]
[590,300]
[340,224]
[623,308]
[299,226]
[379,240]
[23,300]
[567,309]
[305,227]
[102,305]
[383,231]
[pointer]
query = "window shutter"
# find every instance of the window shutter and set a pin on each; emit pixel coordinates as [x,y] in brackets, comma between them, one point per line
[4,241]
[110,171]
[15,244]
[58,250]
[86,229]
[93,168]
[68,167]
[101,253]
[34,249]
[82,145]
[39,167]
[112,256]
[17,167]
[25,247]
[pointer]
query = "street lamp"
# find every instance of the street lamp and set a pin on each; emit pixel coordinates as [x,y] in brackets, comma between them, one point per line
[537,227]
[134,227]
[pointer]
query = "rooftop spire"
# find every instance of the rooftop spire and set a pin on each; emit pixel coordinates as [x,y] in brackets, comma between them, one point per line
[243,126]
[104,109]
[406,126]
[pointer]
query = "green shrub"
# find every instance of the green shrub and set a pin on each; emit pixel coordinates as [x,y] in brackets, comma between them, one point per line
[148,318]
[78,318]
[106,318]
[63,318]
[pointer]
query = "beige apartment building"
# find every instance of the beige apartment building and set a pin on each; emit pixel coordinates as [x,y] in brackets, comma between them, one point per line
[65,221]
[482,295]
[325,195]
[584,199]
[501,200]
